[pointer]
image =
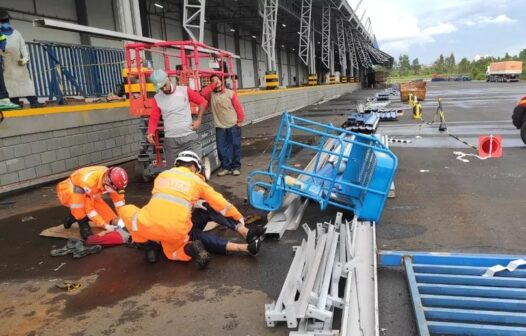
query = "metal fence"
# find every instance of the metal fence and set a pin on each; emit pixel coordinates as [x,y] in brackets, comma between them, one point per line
[60,70]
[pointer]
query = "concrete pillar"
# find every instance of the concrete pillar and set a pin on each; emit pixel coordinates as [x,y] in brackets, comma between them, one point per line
[238,61]
[289,70]
[124,16]
[82,18]
[280,71]
[255,62]
[136,17]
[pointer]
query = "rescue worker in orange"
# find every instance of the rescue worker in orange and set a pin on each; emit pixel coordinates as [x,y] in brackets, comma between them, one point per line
[167,218]
[82,194]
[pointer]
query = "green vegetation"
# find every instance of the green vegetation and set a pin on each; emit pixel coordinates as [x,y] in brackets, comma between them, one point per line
[405,70]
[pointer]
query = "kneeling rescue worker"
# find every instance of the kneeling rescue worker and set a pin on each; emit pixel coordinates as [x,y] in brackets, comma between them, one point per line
[167,218]
[82,194]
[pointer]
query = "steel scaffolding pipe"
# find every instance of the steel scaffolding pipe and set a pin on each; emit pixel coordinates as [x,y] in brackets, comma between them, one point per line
[326,35]
[305,31]
[194,19]
[312,58]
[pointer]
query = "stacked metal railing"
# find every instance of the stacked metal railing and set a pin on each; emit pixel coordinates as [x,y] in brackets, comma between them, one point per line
[323,281]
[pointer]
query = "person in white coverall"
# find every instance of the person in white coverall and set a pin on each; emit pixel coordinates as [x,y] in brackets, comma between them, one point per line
[15,58]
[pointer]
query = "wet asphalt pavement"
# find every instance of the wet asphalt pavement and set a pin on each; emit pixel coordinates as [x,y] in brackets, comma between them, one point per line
[442,204]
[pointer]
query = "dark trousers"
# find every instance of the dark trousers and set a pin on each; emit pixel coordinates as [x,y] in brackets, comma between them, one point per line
[228,142]
[200,218]
[3,90]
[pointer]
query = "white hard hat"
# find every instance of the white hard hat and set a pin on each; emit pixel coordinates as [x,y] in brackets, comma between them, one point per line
[158,78]
[189,156]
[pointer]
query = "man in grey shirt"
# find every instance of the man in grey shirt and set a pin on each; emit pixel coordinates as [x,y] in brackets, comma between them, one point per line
[173,102]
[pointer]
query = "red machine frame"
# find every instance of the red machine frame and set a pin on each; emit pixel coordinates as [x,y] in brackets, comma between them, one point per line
[186,68]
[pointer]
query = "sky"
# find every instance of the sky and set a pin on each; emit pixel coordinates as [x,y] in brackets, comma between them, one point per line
[424,29]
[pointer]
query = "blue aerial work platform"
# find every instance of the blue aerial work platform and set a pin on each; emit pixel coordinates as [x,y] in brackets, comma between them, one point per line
[455,294]
[351,171]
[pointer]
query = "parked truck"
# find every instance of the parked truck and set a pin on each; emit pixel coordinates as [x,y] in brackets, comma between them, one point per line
[508,71]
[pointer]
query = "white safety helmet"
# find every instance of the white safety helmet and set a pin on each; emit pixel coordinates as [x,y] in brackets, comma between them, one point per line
[158,78]
[189,156]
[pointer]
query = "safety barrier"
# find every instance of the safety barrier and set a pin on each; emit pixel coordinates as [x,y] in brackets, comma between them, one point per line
[313,79]
[351,171]
[60,70]
[271,80]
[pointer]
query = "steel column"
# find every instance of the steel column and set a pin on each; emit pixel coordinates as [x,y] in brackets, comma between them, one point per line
[270,18]
[312,58]
[326,35]
[194,19]
[305,31]
[341,46]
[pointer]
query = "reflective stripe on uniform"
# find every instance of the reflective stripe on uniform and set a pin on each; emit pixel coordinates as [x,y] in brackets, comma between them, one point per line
[225,210]
[92,214]
[172,199]
[119,203]
[181,173]
[87,176]
[76,206]
[134,222]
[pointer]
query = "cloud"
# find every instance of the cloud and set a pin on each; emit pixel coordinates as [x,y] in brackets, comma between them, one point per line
[442,28]
[503,18]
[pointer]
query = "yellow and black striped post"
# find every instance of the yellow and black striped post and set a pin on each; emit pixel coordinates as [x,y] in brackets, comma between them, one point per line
[271,80]
[313,79]
[343,79]
[332,79]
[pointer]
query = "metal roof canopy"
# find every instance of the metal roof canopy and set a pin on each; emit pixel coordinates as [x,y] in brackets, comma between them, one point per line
[61,25]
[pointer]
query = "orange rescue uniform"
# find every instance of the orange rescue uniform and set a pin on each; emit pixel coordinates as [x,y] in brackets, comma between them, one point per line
[82,193]
[167,218]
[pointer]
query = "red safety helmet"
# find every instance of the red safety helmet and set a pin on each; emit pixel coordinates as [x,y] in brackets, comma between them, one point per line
[116,178]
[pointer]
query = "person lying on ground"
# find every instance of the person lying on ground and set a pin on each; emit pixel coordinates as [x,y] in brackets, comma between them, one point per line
[167,218]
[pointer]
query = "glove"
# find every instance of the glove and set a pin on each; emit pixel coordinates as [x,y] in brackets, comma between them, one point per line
[200,205]
[109,227]
[23,61]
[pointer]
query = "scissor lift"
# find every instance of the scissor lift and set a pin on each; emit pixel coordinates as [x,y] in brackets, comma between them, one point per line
[192,63]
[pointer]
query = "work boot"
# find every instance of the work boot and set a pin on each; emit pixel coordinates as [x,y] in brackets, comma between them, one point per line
[255,233]
[151,252]
[197,251]
[82,250]
[253,247]
[69,221]
[67,249]
[224,172]
[85,229]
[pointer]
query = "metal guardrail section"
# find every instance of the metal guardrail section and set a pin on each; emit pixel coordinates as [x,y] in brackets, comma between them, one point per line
[60,70]
[352,171]
[451,295]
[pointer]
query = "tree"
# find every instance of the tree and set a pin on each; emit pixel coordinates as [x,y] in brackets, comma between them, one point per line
[416,66]
[405,66]
[450,64]
[440,66]
[464,66]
